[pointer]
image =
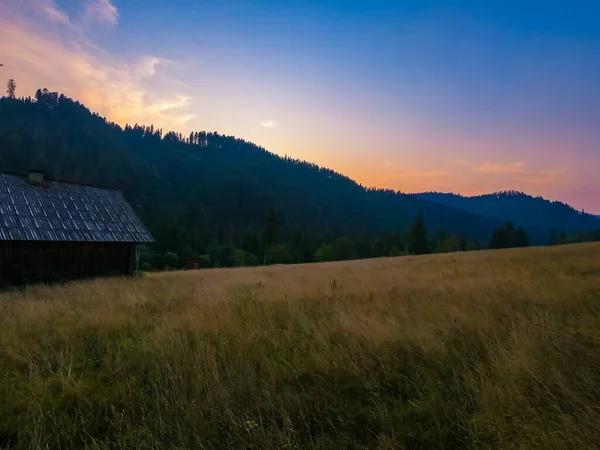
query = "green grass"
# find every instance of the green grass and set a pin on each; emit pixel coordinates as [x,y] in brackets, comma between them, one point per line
[479,350]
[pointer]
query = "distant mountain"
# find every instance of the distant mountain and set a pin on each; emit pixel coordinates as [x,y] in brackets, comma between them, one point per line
[208,191]
[533,213]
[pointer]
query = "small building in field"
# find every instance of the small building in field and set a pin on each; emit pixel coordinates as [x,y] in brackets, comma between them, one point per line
[58,231]
[194,263]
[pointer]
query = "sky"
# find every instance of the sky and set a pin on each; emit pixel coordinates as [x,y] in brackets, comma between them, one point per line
[464,96]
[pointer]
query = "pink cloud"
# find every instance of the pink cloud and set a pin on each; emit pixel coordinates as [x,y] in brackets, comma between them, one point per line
[50,50]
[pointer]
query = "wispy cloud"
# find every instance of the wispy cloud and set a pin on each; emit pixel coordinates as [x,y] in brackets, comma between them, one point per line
[43,47]
[412,176]
[500,168]
[102,10]
[147,66]
[168,104]
[462,163]
[518,172]
[54,14]
[269,124]
[548,177]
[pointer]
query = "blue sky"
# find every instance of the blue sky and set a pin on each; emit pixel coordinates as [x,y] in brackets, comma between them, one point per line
[463,96]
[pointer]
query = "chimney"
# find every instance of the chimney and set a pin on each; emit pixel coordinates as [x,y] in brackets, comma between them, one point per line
[36,177]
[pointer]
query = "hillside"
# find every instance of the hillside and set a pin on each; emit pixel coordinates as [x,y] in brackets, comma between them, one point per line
[204,192]
[491,349]
[530,212]
[208,193]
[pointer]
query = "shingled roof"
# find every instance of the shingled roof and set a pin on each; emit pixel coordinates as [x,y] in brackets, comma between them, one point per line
[60,211]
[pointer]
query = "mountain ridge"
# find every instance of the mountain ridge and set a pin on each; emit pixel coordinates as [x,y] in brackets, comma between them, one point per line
[209,191]
[519,207]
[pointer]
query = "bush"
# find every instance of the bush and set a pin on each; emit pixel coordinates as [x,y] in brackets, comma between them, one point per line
[324,253]
[343,249]
[205,260]
[238,258]
[252,260]
[449,244]
[171,260]
[280,254]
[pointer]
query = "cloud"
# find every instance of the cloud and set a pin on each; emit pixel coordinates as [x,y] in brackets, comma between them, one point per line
[269,124]
[462,163]
[147,66]
[518,172]
[429,174]
[548,177]
[43,48]
[412,176]
[102,10]
[500,168]
[54,14]
[168,104]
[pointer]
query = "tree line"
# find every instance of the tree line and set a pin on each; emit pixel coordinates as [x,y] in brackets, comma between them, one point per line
[226,200]
[415,241]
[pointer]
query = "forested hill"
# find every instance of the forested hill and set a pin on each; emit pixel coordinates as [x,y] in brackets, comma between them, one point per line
[518,207]
[209,193]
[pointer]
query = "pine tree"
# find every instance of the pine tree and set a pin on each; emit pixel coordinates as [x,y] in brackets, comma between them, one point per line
[270,232]
[503,237]
[498,239]
[521,239]
[553,239]
[343,249]
[507,237]
[11,88]
[418,237]
[562,237]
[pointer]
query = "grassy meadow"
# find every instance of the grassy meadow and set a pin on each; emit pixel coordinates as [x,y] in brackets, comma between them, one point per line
[497,350]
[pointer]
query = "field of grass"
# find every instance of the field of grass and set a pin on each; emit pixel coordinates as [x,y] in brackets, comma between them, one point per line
[496,350]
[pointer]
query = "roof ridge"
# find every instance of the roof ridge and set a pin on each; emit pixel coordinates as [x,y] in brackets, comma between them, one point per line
[56,180]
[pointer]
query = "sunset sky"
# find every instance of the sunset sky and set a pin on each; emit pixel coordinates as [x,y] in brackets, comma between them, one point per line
[468,96]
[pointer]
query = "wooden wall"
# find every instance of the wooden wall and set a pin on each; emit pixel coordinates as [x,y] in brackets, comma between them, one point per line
[193,263]
[28,262]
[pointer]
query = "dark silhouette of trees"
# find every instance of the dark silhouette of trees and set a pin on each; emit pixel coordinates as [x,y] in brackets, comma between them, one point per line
[447,244]
[472,246]
[553,239]
[171,260]
[270,233]
[536,215]
[577,237]
[343,249]
[11,88]
[521,239]
[215,195]
[562,237]
[280,254]
[508,237]
[324,253]
[418,239]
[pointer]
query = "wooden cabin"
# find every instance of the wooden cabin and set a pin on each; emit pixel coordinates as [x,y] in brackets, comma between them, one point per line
[58,231]
[194,263]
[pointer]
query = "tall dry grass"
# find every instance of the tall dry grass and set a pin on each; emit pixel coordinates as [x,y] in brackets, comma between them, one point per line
[475,350]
